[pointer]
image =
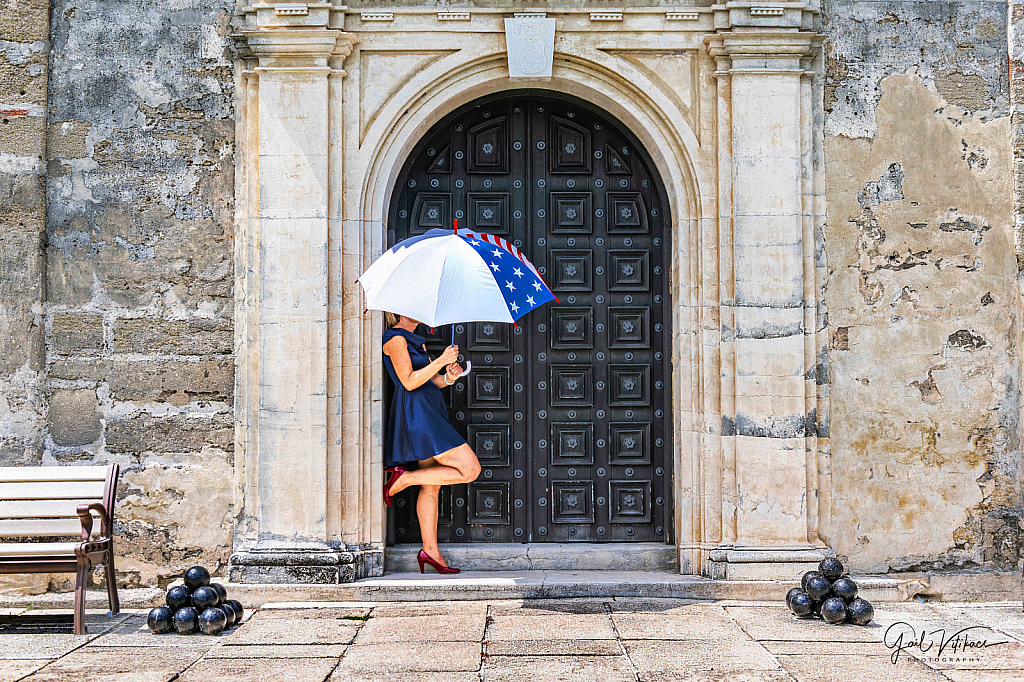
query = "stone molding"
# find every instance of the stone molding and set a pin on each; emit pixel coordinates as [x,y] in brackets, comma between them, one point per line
[707,191]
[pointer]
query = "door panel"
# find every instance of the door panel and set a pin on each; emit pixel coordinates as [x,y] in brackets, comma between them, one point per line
[568,412]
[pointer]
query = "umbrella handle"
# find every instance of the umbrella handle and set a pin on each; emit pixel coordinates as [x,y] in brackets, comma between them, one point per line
[465,372]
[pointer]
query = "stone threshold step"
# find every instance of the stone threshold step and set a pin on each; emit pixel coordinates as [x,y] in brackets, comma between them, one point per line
[548,556]
[487,585]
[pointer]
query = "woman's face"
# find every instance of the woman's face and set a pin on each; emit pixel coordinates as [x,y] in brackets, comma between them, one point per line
[409,320]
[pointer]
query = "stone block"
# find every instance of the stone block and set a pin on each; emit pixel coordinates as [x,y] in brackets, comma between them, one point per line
[162,379]
[178,337]
[22,135]
[66,140]
[28,20]
[145,433]
[74,417]
[74,333]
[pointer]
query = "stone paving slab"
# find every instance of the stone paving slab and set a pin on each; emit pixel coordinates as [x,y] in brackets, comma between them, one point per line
[984,675]
[90,663]
[561,668]
[855,668]
[344,676]
[700,655]
[23,647]
[259,670]
[278,651]
[552,626]
[454,628]
[294,631]
[415,657]
[429,608]
[11,671]
[555,647]
[714,676]
[702,624]
[549,607]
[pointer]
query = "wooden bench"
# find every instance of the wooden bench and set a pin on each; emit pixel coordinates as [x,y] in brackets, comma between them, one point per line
[43,505]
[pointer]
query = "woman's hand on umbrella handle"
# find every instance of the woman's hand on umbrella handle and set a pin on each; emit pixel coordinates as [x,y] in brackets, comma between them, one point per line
[454,371]
[450,355]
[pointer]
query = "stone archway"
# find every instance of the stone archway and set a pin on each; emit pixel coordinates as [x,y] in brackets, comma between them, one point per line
[750,453]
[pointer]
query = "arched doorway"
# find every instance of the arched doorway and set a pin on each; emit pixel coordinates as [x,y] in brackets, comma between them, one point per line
[570,412]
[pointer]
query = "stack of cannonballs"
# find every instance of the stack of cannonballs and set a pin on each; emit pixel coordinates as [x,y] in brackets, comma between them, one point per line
[196,605]
[829,594]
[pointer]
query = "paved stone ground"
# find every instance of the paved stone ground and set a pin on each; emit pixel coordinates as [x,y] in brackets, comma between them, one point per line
[605,639]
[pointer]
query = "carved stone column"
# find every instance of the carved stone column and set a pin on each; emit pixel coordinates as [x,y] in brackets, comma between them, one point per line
[769,466]
[286,482]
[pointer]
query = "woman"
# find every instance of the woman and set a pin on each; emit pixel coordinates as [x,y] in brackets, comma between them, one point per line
[419,430]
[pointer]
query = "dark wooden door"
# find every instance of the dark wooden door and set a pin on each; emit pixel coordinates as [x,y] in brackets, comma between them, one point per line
[568,412]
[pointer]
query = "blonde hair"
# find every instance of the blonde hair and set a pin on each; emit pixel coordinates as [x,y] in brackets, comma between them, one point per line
[391,319]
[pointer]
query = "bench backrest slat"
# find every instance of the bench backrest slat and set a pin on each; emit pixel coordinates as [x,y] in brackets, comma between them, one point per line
[42,509]
[52,491]
[43,528]
[55,474]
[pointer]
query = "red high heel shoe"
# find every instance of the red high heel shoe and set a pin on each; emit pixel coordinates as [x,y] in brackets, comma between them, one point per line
[396,473]
[424,558]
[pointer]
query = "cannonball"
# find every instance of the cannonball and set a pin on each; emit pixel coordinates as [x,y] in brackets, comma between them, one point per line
[845,589]
[212,621]
[819,588]
[222,594]
[239,611]
[801,605]
[831,568]
[177,597]
[204,598]
[195,577]
[833,610]
[229,613]
[160,620]
[860,611]
[807,576]
[186,620]
[789,596]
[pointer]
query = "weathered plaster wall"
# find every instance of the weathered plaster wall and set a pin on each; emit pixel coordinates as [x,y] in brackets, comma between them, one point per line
[137,364]
[920,291]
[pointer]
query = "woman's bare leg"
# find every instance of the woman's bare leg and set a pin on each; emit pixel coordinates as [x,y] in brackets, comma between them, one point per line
[458,465]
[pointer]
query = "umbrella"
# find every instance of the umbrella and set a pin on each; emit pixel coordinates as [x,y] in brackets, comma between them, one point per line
[443,277]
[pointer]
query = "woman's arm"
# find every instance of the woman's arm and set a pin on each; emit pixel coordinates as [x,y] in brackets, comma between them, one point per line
[411,379]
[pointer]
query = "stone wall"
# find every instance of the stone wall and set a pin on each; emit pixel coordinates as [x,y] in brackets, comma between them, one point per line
[923,314]
[137,365]
[116,211]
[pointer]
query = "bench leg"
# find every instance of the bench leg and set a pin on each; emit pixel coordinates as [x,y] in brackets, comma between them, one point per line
[80,580]
[115,604]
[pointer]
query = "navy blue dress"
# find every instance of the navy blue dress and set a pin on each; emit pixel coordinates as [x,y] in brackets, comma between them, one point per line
[418,425]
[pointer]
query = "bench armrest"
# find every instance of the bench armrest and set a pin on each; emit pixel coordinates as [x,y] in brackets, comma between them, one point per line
[85,516]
